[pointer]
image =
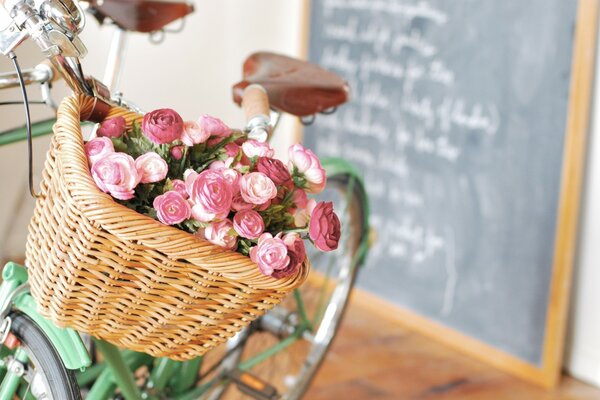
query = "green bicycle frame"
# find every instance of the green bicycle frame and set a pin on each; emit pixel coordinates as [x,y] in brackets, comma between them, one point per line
[41,128]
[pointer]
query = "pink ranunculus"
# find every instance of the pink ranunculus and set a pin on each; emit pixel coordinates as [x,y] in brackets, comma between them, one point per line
[151,167]
[302,214]
[324,228]
[189,176]
[249,224]
[232,149]
[97,148]
[193,133]
[112,128]
[274,169]
[179,187]
[116,174]
[309,166]
[297,254]
[254,148]
[257,188]
[238,203]
[299,198]
[222,234]
[162,126]
[177,152]
[213,126]
[172,208]
[211,195]
[270,254]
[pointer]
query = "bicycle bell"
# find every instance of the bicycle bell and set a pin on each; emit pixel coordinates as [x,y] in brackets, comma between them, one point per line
[65,13]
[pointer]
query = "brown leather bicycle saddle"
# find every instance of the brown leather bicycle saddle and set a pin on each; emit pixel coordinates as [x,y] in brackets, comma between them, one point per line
[294,86]
[141,15]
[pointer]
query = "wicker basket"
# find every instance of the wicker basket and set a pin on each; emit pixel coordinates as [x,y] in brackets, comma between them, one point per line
[103,269]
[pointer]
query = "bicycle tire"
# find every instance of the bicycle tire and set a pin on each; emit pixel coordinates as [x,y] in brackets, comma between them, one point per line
[275,371]
[43,357]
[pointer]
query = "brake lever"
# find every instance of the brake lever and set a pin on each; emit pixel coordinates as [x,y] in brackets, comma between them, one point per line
[11,37]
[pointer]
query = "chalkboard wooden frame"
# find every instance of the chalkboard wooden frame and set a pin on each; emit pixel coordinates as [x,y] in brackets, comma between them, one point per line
[548,373]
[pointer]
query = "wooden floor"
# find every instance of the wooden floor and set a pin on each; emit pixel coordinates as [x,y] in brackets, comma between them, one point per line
[381,360]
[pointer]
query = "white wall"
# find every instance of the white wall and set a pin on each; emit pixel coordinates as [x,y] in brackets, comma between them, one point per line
[583,342]
[192,72]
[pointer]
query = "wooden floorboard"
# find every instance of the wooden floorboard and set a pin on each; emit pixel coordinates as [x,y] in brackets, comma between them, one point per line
[381,360]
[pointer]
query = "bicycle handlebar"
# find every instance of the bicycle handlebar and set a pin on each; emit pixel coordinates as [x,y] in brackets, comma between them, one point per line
[42,73]
[255,104]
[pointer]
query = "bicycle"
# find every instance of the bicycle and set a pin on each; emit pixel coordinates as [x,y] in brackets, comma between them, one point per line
[40,360]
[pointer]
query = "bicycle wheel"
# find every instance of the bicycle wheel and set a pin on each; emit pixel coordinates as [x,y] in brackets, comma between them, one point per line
[44,375]
[277,348]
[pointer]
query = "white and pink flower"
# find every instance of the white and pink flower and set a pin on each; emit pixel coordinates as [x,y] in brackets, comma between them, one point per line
[193,133]
[172,208]
[257,188]
[97,148]
[248,224]
[151,167]
[116,174]
[306,163]
[179,186]
[254,148]
[271,254]
[213,126]
[222,234]
[210,194]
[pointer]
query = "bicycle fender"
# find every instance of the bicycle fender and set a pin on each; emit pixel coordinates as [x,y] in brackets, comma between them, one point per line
[337,166]
[67,342]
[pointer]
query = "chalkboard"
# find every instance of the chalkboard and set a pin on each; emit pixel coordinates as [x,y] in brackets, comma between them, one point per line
[460,124]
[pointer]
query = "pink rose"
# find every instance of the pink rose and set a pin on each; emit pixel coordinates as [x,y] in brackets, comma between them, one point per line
[189,176]
[297,254]
[308,165]
[210,194]
[112,128]
[270,254]
[324,228]
[213,126]
[248,224]
[177,152]
[302,215]
[172,208]
[193,133]
[151,167]
[274,169]
[257,188]
[115,173]
[254,148]
[97,148]
[179,187]
[238,203]
[162,126]
[232,149]
[300,199]
[221,234]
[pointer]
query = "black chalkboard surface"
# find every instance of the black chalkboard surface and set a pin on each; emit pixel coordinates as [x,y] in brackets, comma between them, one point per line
[459,122]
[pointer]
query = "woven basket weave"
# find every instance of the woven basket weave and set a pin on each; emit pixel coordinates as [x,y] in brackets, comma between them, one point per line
[103,269]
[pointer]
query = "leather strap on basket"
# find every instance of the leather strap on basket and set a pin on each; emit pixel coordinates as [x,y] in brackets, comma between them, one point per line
[100,108]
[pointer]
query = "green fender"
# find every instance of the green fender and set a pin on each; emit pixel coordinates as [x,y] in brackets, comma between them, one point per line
[338,166]
[67,342]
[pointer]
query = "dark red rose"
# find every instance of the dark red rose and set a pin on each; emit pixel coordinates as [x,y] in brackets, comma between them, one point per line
[274,169]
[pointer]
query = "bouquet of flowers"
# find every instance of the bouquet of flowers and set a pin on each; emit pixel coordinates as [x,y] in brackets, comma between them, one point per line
[216,183]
